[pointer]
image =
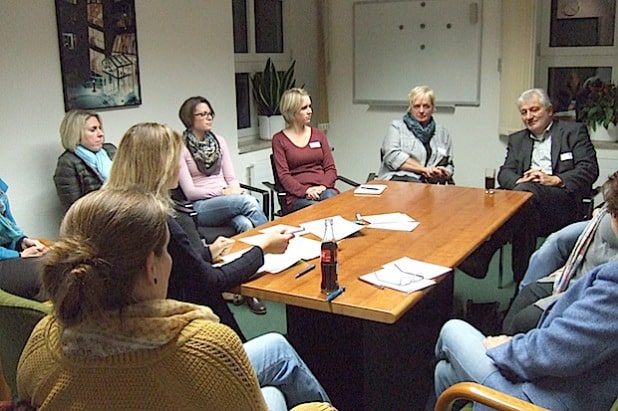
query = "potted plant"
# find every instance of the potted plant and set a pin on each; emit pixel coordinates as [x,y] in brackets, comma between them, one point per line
[268,87]
[600,112]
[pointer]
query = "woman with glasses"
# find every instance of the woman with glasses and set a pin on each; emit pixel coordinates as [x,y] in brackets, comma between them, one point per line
[302,156]
[207,175]
[207,178]
[416,148]
[116,342]
[84,166]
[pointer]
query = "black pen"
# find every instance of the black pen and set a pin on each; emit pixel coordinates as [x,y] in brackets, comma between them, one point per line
[305,271]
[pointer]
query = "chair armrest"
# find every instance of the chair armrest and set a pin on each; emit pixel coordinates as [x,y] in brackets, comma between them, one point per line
[265,197]
[484,395]
[348,181]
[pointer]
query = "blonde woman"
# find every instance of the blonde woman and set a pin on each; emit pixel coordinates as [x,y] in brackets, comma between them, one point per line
[302,156]
[114,342]
[147,157]
[85,164]
[416,148]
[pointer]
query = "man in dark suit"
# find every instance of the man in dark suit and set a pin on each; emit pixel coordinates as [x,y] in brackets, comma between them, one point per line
[553,160]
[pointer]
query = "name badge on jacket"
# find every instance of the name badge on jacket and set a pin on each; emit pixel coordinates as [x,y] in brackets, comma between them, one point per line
[566,156]
[314,144]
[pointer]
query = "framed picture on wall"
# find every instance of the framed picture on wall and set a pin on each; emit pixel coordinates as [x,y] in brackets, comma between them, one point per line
[98,53]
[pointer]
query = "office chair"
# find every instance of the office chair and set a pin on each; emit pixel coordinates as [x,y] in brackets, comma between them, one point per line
[210,234]
[18,317]
[278,191]
[471,391]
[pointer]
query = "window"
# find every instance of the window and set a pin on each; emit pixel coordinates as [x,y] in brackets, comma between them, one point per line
[578,46]
[258,35]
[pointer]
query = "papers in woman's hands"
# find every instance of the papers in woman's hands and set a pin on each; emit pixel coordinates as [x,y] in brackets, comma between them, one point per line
[406,275]
[370,189]
[341,227]
[286,229]
[391,221]
[299,248]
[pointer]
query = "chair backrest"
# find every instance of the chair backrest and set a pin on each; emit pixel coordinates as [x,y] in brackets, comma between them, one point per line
[18,317]
[483,395]
[279,190]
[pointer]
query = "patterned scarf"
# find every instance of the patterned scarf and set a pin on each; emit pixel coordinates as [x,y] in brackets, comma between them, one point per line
[99,161]
[423,133]
[207,153]
[577,254]
[141,326]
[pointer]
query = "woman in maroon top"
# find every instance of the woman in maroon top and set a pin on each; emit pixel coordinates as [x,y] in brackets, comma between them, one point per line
[303,159]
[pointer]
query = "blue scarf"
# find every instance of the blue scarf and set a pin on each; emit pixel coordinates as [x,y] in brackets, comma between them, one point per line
[99,161]
[422,133]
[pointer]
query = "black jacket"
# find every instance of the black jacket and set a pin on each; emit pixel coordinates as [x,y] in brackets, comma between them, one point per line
[74,178]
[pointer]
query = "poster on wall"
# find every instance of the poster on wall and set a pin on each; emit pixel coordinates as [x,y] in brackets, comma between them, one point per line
[98,53]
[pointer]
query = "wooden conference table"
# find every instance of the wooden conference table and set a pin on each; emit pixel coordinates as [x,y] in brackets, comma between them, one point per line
[371,348]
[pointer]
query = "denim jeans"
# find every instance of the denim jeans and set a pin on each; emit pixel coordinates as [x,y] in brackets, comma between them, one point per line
[278,365]
[461,357]
[303,202]
[553,253]
[242,211]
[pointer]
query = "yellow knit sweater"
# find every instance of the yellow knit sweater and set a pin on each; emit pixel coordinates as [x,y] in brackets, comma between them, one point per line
[204,367]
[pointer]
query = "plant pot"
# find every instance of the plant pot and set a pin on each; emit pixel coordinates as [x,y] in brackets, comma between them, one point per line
[604,134]
[269,125]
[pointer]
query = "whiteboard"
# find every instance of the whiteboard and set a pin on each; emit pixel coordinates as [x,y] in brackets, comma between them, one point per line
[402,44]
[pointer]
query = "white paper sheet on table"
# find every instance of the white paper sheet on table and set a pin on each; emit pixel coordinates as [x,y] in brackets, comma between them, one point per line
[341,227]
[370,189]
[391,277]
[391,221]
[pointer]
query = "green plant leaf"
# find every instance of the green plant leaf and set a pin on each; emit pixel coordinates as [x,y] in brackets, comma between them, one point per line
[269,85]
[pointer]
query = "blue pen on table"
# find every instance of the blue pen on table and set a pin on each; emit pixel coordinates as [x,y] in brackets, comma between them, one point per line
[305,271]
[330,297]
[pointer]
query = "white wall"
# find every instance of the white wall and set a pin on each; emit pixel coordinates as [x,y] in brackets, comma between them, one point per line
[185,48]
[357,131]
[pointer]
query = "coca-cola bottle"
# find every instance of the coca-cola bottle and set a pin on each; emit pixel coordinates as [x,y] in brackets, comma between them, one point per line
[328,259]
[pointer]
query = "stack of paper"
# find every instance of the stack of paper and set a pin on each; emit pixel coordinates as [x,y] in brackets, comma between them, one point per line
[370,189]
[391,221]
[406,275]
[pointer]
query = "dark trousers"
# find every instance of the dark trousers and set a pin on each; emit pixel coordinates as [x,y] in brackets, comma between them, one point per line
[551,209]
[523,315]
[22,277]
